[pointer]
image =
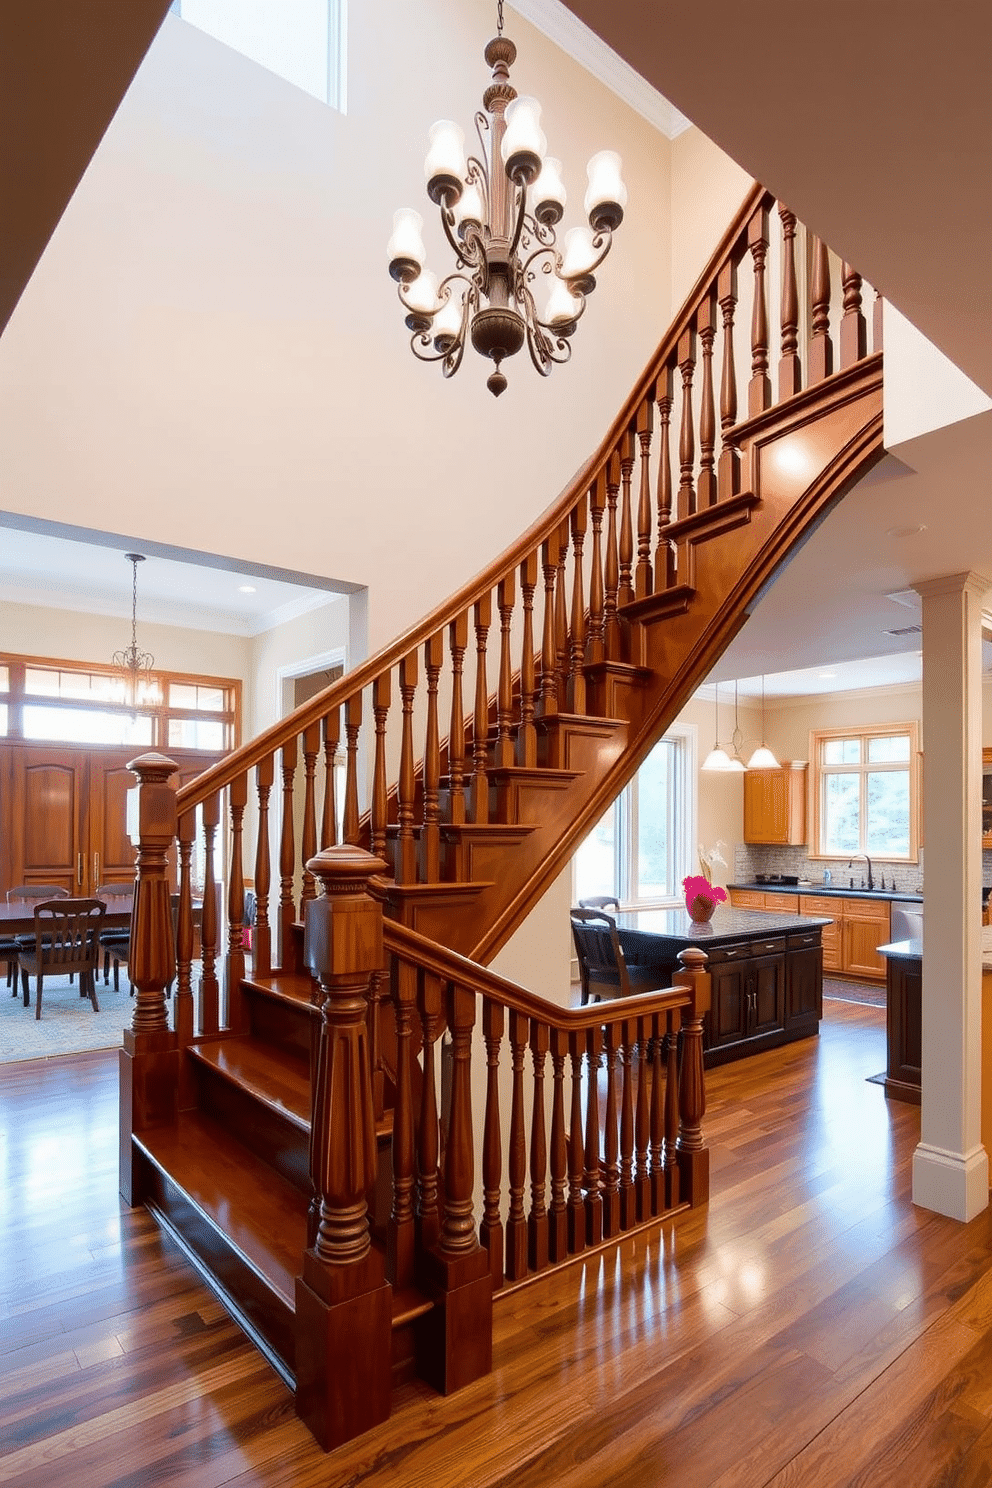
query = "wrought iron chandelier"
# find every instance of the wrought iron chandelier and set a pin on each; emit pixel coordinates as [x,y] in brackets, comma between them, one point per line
[134,665]
[499,212]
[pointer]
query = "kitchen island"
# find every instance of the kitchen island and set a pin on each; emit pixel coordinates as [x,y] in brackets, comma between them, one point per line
[766,969]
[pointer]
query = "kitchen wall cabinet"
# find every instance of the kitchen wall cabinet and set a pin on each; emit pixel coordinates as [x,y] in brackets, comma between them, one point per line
[775,805]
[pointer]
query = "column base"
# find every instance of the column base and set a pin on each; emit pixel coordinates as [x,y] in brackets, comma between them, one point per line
[951,1183]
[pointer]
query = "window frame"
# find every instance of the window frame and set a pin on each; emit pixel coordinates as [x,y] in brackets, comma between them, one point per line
[683,806]
[819,772]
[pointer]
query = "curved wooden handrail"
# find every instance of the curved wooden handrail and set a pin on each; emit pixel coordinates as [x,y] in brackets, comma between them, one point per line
[451,966]
[282,732]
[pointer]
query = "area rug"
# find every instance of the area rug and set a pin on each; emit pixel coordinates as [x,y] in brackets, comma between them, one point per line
[871,994]
[68,1024]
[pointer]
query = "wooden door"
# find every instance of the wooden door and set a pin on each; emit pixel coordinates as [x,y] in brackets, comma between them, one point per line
[44,818]
[728,1005]
[766,983]
[866,925]
[110,853]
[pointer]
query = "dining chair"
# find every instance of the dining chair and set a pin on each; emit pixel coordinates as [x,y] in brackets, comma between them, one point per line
[603,968]
[600,901]
[11,945]
[116,943]
[66,943]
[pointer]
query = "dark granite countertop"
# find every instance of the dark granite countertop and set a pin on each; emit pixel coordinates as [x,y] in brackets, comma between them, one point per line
[676,927]
[831,891]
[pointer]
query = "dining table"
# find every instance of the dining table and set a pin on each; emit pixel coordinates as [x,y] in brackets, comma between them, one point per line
[18,919]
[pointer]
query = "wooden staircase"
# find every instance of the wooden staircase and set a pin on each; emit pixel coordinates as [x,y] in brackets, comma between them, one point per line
[311,1132]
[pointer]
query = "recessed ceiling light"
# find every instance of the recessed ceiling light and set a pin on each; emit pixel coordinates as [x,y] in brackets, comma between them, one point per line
[246,588]
[907,531]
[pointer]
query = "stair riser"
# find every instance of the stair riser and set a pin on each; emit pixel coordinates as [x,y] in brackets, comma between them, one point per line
[279,1025]
[277,1141]
[264,1315]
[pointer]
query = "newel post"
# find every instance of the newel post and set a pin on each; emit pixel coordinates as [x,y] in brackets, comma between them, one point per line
[693,1156]
[343,1302]
[149,1059]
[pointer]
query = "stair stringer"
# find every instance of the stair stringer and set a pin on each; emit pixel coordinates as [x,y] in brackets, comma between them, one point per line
[839,426]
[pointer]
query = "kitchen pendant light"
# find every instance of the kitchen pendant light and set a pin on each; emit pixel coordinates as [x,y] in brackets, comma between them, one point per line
[762,758]
[718,758]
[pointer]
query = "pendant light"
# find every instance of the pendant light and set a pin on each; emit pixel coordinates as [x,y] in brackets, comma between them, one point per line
[762,758]
[718,758]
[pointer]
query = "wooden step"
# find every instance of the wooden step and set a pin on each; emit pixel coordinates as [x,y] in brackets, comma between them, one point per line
[262,1094]
[574,741]
[238,1220]
[523,794]
[280,1009]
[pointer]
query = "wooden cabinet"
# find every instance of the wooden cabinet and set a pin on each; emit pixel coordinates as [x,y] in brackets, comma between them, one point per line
[770,903]
[904,1028]
[775,805]
[804,980]
[764,993]
[849,943]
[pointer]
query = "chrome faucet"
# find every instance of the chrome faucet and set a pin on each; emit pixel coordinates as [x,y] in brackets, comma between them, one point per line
[871,882]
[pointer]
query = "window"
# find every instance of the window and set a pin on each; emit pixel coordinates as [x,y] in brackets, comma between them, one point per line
[640,850]
[865,791]
[303,42]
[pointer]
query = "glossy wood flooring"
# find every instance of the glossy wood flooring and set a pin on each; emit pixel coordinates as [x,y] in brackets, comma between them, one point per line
[809,1328]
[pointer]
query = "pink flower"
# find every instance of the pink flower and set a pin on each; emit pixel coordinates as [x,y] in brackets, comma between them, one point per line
[696,886]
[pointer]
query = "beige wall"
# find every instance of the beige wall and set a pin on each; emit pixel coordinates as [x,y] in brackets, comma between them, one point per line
[707,189]
[291,649]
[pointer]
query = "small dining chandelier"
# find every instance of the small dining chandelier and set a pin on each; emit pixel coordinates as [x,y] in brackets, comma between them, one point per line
[499,212]
[133,665]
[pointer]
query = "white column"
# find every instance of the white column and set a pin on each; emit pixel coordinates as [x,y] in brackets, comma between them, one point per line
[950,1165]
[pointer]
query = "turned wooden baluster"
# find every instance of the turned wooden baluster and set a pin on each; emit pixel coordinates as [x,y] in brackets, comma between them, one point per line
[352,730]
[382,697]
[821,351]
[576,693]
[687,431]
[457,644]
[658,1116]
[625,591]
[561,613]
[525,753]
[537,1221]
[262,936]
[287,857]
[576,1152]
[595,644]
[428,1215]
[612,637]
[664,558]
[643,576]
[238,796]
[706,484]
[558,1213]
[505,600]
[729,468]
[547,703]
[483,614]
[400,1243]
[516,1222]
[790,372]
[342,1294]
[759,389]
[308,835]
[611,1142]
[209,985]
[458,1235]
[591,1170]
[642,1128]
[491,1228]
[628,1200]
[405,866]
[672,1185]
[184,1013]
[331,730]
[853,329]
[430,838]
[693,1156]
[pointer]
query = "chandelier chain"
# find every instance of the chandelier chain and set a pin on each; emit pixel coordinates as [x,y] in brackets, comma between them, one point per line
[499,17]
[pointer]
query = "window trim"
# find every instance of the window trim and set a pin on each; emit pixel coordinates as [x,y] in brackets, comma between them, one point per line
[864,732]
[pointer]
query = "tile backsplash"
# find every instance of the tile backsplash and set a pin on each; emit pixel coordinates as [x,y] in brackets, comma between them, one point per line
[907,878]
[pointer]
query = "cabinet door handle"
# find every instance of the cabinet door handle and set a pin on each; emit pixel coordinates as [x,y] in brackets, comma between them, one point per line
[79,870]
[96,870]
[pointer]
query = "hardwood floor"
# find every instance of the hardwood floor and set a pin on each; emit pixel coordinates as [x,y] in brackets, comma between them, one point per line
[810,1327]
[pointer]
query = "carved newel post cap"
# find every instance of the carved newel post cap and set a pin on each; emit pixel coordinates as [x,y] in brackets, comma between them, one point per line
[343,935]
[338,868]
[153,766]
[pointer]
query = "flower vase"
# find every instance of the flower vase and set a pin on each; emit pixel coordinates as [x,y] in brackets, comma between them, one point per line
[701,909]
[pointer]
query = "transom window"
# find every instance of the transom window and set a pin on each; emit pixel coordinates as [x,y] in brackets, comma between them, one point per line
[303,41]
[866,791]
[640,850]
[62,702]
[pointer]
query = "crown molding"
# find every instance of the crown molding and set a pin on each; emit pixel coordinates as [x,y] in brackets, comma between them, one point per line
[558,24]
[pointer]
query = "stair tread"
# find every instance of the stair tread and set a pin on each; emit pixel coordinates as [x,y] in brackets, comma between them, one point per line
[290,986]
[277,1079]
[263,1215]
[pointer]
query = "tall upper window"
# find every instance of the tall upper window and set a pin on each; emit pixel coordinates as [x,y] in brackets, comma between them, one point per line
[302,41]
[640,850]
[866,791]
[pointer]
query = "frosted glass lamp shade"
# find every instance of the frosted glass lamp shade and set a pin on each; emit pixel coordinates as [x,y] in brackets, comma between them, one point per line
[606,195]
[762,759]
[448,322]
[563,309]
[548,193]
[524,142]
[421,301]
[445,166]
[717,759]
[470,207]
[406,246]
